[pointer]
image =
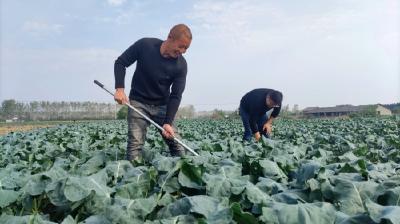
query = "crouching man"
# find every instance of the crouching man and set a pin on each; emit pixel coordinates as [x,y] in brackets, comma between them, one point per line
[253,109]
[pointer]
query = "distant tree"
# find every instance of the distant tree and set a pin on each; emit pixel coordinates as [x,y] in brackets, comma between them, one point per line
[392,106]
[234,114]
[367,111]
[186,112]
[122,113]
[285,110]
[21,110]
[218,114]
[8,108]
[295,108]
[45,110]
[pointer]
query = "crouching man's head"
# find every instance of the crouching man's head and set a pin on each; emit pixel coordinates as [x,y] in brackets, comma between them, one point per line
[274,99]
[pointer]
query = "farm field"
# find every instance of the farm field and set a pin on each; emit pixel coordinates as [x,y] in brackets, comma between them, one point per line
[310,171]
[6,128]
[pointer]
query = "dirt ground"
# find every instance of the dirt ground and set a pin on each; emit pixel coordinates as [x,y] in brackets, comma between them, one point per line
[5,129]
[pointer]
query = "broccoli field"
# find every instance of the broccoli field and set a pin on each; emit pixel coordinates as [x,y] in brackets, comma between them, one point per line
[310,171]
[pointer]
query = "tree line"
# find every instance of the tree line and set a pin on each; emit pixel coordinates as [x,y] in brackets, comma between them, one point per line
[46,110]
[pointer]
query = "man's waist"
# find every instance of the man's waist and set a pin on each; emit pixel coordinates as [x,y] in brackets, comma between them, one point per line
[149,101]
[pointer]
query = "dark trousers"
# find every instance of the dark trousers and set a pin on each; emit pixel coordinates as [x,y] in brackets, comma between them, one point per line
[137,129]
[246,119]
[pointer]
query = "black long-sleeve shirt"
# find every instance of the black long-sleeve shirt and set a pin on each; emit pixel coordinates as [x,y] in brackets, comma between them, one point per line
[254,103]
[156,80]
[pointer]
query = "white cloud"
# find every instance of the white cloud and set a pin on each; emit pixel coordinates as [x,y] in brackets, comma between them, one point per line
[116,2]
[264,25]
[41,28]
[317,53]
[131,12]
[234,22]
[122,18]
[335,49]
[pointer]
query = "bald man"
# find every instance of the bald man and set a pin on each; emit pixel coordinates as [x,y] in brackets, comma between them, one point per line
[156,88]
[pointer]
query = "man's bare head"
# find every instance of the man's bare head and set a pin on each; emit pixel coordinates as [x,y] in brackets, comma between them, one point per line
[180,30]
[179,39]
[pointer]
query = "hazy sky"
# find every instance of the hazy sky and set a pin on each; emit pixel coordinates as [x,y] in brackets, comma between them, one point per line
[318,53]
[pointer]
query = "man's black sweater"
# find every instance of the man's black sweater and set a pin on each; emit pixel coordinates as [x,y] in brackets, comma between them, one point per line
[254,103]
[154,75]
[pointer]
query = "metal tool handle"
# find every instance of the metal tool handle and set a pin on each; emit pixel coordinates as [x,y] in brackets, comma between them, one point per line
[147,118]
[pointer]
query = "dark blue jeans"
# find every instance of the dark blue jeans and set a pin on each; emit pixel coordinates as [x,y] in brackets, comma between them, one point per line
[246,119]
[137,129]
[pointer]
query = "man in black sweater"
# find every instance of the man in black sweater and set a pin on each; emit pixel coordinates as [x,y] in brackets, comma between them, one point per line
[157,86]
[253,108]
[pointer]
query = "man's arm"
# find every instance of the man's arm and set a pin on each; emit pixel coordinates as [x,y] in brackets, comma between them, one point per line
[253,125]
[276,111]
[178,86]
[254,129]
[120,96]
[268,125]
[125,60]
[175,97]
[270,119]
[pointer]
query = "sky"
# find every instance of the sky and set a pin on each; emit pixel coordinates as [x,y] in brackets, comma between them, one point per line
[317,53]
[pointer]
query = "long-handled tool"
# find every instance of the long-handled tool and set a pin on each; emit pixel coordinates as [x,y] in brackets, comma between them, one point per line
[148,119]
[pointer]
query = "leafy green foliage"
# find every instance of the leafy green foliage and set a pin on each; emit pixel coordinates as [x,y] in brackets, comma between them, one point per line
[311,171]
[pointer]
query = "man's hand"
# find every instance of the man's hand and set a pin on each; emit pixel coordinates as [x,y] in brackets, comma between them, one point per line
[168,131]
[267,128]
[120,96]
[257,136]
